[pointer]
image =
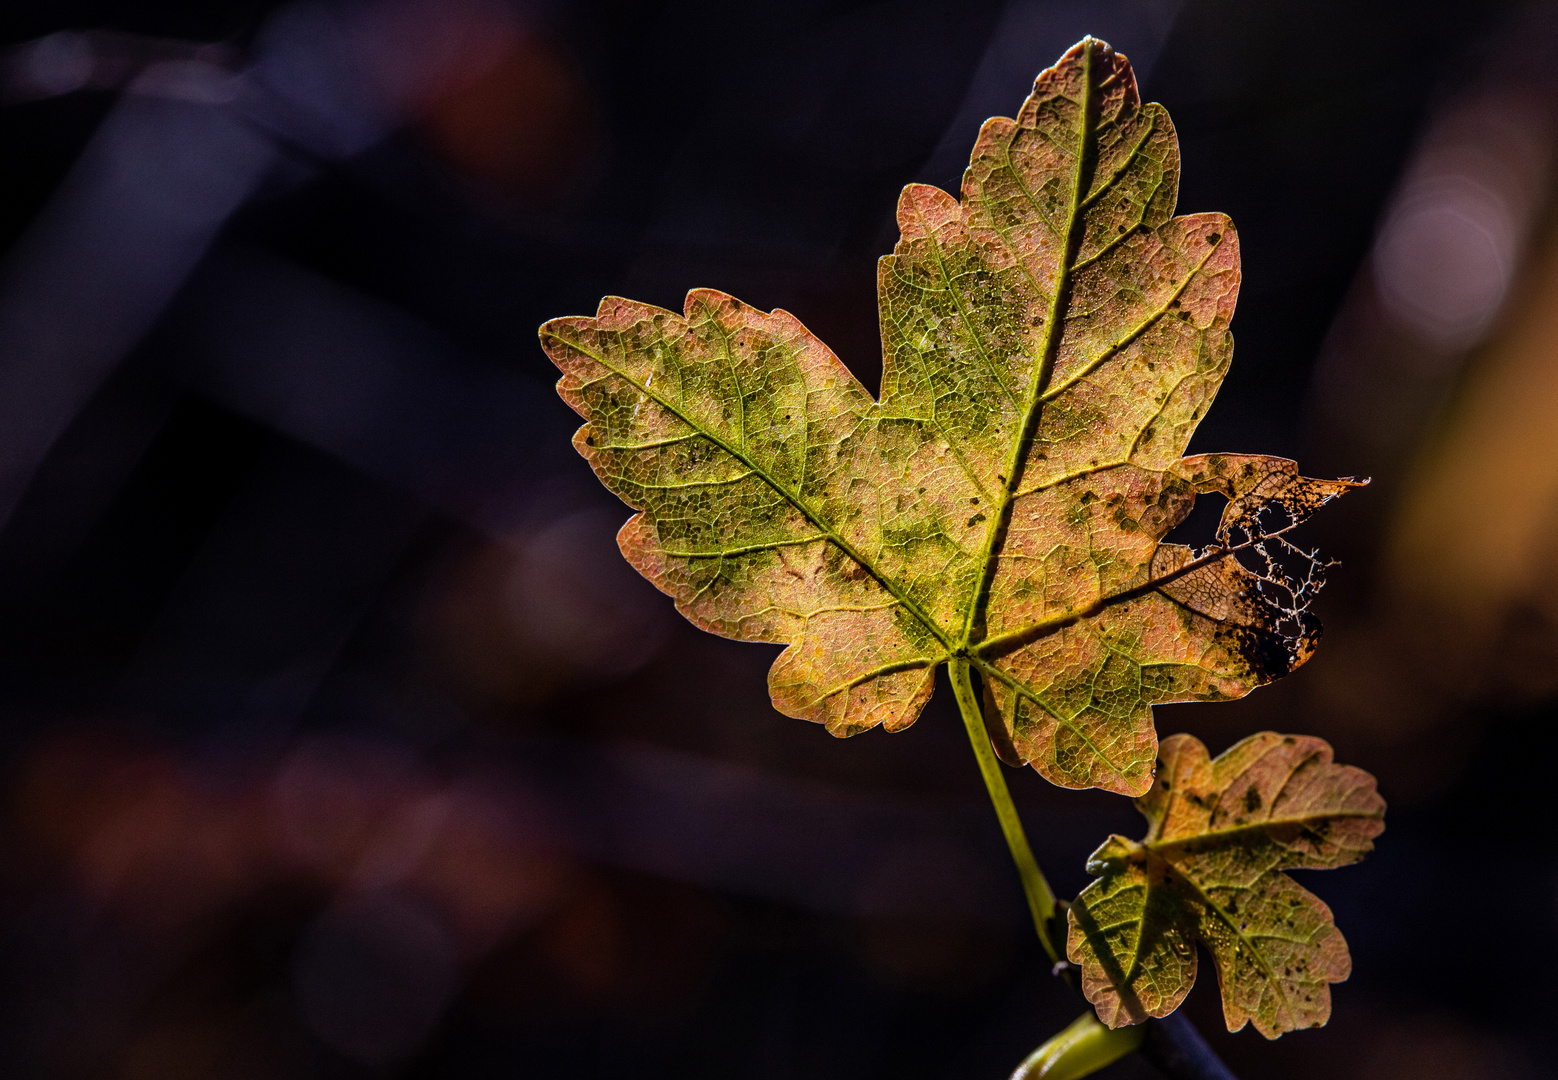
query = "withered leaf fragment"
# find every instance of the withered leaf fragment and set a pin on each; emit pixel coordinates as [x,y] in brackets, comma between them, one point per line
[1219,833]
[1049,344]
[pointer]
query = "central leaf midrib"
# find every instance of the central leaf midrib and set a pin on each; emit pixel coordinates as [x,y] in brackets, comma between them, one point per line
[1050,345]
[1179,843]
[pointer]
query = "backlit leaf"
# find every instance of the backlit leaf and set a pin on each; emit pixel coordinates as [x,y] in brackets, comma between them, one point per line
[1049,344]
[1219,833]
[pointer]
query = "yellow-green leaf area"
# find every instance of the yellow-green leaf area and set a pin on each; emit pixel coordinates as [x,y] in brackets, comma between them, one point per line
[1219,834]
[1050,340]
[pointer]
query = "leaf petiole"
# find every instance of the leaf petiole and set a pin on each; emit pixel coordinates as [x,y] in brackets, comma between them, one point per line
[1041,898]
[1082,1048]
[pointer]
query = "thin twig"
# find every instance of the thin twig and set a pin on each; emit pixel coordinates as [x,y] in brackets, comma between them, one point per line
[1180,1052]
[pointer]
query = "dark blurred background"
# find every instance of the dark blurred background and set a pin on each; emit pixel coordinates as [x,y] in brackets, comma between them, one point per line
[337,741]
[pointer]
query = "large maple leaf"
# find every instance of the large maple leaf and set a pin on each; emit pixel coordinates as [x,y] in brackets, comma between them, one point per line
[1049,344]
[1218,834]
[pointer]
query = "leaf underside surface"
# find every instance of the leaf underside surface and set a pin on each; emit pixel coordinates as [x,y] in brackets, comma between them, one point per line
[1219,833]
[1050,342]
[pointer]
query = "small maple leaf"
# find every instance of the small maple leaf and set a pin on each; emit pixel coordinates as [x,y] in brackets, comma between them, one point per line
[1219,833]
[1049,345]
